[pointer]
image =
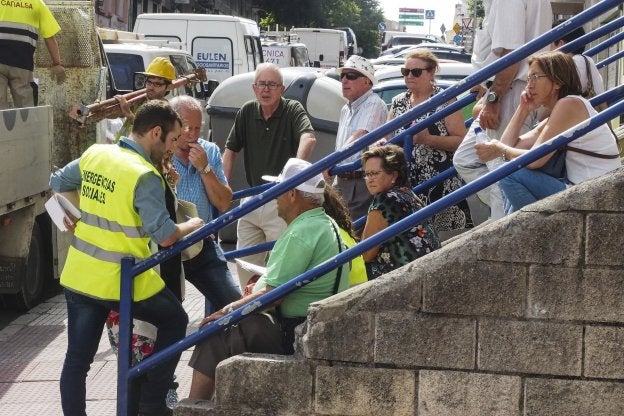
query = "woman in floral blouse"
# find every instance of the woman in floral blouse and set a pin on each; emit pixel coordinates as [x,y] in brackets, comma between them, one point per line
[433,147]
[385,172]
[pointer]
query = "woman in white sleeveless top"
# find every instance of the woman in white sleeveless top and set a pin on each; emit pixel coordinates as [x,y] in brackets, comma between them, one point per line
[553,83]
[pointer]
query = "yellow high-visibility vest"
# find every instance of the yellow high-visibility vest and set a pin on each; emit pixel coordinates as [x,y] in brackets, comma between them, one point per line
[110,227]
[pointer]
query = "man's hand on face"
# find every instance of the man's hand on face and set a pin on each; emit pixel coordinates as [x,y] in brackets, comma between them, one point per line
[197,156]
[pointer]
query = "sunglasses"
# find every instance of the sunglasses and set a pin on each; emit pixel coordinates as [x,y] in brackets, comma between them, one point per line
[416,72]
[351,76]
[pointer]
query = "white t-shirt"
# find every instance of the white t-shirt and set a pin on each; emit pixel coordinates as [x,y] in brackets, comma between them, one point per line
[510,24]
[582,167]
[581,67]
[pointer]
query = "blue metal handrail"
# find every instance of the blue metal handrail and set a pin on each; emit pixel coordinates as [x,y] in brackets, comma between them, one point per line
[453,198]
[610,95]
[130,268]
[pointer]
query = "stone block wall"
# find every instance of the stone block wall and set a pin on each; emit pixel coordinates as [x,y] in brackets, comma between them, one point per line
[524,316]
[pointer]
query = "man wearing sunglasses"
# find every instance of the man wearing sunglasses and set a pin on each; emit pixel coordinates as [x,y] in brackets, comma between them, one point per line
[271,129]
[364,112]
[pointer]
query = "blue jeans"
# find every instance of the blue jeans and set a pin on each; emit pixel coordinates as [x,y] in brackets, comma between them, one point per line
[85,322]
[209,273]
[526,186]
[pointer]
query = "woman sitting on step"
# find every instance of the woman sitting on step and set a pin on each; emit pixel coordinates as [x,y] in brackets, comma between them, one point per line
[553,83]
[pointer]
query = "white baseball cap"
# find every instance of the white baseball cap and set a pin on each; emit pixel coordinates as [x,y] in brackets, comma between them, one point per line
[314,185]
[361,65]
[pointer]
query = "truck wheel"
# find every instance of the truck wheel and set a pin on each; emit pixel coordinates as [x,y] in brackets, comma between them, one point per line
[34,278]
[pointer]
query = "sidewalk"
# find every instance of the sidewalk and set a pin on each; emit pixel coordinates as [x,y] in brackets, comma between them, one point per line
[32,350]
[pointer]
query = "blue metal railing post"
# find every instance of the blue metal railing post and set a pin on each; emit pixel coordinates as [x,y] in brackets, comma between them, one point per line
[332,160]
[124,358]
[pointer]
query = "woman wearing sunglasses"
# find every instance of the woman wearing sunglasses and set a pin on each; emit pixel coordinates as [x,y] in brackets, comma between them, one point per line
[434,146]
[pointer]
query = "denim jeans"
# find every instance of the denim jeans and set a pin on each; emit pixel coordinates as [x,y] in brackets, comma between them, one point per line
[85,322]
[526,186]
[209,273]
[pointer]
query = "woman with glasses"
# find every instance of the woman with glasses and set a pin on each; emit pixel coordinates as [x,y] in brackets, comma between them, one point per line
[385,172]
[553,83]
[433,147]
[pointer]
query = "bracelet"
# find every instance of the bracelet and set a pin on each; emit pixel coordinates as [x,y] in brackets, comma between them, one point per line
[505,158]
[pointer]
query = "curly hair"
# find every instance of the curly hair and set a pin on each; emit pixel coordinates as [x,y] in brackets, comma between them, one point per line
[392,160]
[336,207]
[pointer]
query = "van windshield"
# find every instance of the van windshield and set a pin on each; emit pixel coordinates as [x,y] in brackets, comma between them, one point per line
[123,66]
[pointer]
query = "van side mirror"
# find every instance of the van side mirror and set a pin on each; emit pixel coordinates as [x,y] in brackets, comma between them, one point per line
[321,57]
[316,64]
[138,81]
[360,50]
[211,86]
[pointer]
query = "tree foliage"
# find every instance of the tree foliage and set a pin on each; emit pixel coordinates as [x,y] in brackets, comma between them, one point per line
[362,16]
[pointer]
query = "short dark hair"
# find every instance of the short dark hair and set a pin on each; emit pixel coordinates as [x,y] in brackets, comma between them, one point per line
[392,160]
[569,37]
[155,113]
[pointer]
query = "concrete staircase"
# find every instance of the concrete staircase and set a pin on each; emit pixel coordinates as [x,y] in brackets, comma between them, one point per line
[524,316]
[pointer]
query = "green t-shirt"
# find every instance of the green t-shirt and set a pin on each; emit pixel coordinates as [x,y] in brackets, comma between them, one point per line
[268,144]
[307,242]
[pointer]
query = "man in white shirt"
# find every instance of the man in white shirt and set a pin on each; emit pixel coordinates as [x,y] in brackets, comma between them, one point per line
[364,112]
[508,25]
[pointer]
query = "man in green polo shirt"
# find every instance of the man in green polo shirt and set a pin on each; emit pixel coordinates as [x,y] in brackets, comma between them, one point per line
[271,129]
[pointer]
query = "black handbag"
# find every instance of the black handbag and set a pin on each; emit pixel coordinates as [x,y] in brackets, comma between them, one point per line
[556,165]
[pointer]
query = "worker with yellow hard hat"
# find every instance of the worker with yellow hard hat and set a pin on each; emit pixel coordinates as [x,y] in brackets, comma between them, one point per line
[159,75]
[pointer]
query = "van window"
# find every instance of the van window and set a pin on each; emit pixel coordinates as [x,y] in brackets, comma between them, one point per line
[214,54]
[123,66]
[254,52]
[300,56]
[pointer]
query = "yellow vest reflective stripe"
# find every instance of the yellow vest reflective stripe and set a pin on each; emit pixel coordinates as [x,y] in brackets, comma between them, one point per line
[110,228]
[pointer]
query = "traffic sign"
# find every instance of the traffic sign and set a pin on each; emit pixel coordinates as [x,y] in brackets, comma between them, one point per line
[381,26]
[443,28]
[457,40]
[412,22]
[430,14]
[456,28]
[406,10]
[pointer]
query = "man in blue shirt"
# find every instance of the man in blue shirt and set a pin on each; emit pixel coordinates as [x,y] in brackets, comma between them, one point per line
[202,182]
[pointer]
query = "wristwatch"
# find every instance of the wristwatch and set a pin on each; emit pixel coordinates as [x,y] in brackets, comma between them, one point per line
[492,97]
[206,169]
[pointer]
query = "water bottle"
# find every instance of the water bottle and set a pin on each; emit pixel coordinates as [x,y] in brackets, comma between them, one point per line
[482,137]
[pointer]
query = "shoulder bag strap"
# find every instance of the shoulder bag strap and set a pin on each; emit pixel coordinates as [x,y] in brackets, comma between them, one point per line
[590,153]
[339,272]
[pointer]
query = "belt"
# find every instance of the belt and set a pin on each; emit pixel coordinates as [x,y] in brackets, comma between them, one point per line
[358,174]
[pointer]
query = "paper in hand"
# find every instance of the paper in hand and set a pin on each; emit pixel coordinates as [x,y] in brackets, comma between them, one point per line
[58,206]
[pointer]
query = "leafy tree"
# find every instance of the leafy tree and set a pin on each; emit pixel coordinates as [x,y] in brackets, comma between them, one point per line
[362,16]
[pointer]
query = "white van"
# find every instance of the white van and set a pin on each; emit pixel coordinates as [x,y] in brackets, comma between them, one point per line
[327,47]
[285,54]
[224,45]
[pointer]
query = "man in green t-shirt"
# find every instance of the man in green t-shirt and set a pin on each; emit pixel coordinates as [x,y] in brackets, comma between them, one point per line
[271,129]
[310,239]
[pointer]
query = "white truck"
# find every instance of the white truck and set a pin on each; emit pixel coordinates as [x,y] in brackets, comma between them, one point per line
[33,141]
[285,54]
[327,48]
[223,45]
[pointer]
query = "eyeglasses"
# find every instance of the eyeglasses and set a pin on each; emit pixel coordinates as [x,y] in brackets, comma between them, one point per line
[416,72]
[270,85]
[372,174]
[155,84]
[535,77]
[351,76]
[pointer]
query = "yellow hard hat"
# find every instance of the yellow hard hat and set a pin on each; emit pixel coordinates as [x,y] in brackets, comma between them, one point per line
[160,67]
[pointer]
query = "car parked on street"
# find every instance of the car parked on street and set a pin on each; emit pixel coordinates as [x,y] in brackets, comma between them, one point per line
[440,50]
